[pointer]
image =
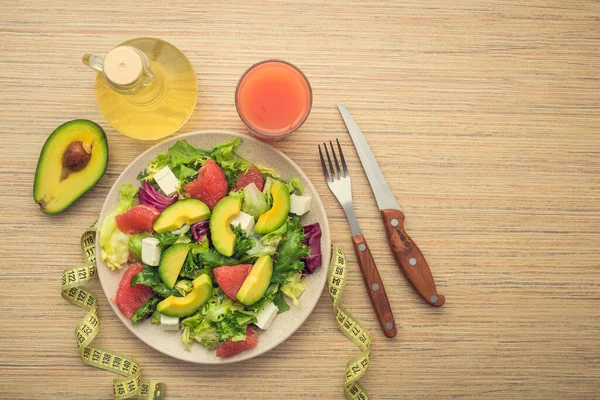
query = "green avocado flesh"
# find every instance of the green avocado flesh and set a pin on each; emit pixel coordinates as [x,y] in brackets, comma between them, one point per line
[61,179]
[257,282]
[171,262]
[278,213]
[188,211]
[222,236]
[182,306]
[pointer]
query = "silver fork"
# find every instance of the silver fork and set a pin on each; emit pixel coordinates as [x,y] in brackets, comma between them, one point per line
[338,180]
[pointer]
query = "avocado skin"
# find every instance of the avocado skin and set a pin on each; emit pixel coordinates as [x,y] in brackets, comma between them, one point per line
[55,135]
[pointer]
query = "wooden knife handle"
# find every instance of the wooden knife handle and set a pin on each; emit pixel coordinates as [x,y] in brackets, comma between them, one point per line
[409,258]
[374,286]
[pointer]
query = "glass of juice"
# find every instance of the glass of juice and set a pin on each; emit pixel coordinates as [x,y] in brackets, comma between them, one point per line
[273,98]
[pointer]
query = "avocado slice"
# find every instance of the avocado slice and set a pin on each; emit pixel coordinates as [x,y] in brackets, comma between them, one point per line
[171,262]
[188,211]
[278,213]
[72,161]
[221,234]
[257,282]
[181,306]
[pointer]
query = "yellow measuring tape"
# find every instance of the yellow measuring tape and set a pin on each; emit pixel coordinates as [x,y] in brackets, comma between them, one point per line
[350,326]
[131,386]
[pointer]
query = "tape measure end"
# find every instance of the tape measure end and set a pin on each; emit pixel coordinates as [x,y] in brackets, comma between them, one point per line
[159,391]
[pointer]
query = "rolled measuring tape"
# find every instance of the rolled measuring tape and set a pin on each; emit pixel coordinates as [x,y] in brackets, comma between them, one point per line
[131,385]
[350,326]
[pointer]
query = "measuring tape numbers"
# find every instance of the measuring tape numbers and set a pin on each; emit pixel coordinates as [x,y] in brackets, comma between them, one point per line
[130,385]
[350,326]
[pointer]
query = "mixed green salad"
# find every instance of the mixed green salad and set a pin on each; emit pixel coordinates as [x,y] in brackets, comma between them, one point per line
[214,246]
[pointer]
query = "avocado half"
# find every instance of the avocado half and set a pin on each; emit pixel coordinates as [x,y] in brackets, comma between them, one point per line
[72,161]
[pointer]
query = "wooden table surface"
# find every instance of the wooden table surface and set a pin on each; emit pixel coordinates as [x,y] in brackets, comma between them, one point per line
[484,117]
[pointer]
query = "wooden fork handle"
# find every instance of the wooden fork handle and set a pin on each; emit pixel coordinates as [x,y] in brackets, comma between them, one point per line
[374,286]
[409,258]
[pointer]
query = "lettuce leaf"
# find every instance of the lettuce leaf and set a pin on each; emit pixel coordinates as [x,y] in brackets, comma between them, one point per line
[217,320]
[155,320]
[266,245]
[127,195]
[290,251]
[149,277]
[145,311]
[259,249]
[203,332]
[114,243]
[233,325]
[201,260]
[191,267]
[184,174]
[266,171]
[183,153]
[167,239]
[295,186]
[116,251]
[280,302]
[230,162]
[294,286]
[243,243]
[255,201]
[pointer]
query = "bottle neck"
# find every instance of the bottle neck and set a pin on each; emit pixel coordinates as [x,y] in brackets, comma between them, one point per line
[127,71]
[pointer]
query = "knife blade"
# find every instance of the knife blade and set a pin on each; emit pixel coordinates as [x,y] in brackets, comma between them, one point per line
[383,195]
[407,254]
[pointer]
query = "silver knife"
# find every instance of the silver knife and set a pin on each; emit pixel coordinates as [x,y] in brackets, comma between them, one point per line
[408,256]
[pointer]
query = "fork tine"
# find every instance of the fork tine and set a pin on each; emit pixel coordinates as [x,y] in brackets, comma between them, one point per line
[325,171]
[337,165]
[333,175]
[346,174]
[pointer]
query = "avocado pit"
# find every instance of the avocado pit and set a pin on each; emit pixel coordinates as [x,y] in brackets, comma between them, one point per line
[75,158]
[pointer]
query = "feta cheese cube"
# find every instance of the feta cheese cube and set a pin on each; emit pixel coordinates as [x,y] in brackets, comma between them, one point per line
[245,221]
[151,251]
[169,323]
[265,316]
[300,205]
[167,181]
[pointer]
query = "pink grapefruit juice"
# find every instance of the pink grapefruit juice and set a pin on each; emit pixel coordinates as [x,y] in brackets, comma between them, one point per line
[273,99]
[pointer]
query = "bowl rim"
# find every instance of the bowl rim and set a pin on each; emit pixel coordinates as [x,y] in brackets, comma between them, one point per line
[326,251]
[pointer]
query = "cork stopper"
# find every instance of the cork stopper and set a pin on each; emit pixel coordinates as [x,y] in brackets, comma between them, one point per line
[123,65]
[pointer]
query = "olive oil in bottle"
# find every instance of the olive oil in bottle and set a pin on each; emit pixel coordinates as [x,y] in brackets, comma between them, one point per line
[146,88]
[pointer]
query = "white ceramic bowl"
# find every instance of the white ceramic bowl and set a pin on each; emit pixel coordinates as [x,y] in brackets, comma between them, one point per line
[285,324]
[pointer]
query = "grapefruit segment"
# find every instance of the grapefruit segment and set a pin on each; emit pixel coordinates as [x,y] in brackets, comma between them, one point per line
[253,175]
[138,219]
[230,349]
[231,278]
[210,186]
[128,298]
